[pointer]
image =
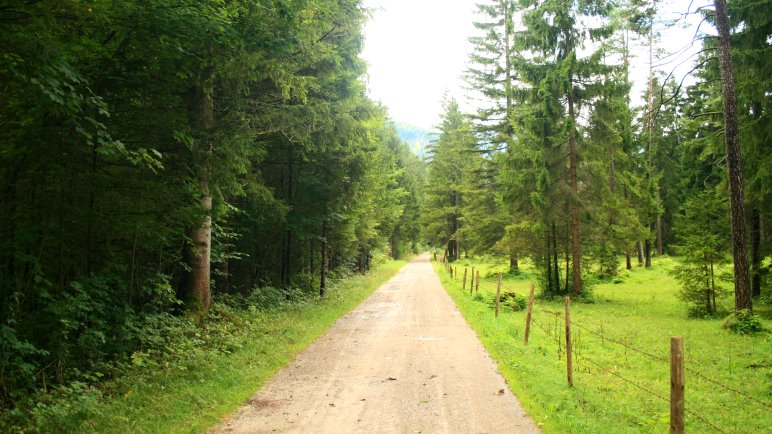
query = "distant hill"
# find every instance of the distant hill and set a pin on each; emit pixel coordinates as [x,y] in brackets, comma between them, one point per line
[418,139]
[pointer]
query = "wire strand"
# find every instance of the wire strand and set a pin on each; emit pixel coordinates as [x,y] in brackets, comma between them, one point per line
[664,360]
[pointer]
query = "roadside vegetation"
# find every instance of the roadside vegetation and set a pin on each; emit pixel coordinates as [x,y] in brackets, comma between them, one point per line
[195,373]
[164,166]
[640,309]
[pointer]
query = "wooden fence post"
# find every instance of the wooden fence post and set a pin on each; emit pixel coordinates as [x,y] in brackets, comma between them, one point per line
[676,385]
[464,285]
[528,315]
[569,364]
[498,296]
[477,285]
[471,281]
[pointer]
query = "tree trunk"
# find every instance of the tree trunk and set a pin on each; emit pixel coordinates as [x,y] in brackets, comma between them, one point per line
[706,275]
[513,263]
[659,229]
[198,289]
[454,229]
[755,252]
[568,271]
[198,286]
[628,262]
[650,127]
[573,161]
[639,249]
[742,287]
[552,288]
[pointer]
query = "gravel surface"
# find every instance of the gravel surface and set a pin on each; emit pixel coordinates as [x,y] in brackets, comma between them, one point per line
[404,361]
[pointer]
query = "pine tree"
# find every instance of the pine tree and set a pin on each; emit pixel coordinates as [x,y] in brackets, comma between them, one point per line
[562,83]
[449,162]
[492,74]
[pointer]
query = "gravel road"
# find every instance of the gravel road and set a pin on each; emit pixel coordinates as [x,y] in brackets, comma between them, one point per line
[404,361]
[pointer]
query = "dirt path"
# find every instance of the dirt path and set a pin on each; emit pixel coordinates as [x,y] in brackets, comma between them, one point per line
[404,361]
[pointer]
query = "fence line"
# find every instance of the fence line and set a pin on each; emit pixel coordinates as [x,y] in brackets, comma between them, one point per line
[556,337]
[729,388]
[663,360]
[645,389]
[605,369]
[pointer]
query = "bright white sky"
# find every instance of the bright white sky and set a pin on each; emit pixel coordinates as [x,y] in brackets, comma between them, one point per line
[417,51]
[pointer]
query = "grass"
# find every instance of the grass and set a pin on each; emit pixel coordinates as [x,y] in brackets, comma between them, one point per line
[192,399]
[641,311]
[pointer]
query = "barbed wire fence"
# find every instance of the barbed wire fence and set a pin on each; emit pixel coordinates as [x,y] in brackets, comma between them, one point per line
[553,332]
[602,368]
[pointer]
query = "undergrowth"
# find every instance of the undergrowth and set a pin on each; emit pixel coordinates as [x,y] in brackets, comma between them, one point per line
[189,374]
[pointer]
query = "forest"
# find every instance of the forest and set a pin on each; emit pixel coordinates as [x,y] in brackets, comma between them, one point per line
[160,156]
[563,168]
[171,168]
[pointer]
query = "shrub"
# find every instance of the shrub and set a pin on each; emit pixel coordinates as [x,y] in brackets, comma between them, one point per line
[743,322]
[66,408]
[511,300]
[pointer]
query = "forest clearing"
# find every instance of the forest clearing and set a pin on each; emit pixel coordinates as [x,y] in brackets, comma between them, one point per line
[192,192]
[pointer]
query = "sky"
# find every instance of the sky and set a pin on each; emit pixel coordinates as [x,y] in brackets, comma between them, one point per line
[417,51]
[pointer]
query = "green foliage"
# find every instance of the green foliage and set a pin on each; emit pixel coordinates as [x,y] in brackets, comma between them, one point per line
[178,353]
[17,363]
[512,300]
[703,233]
[64,409]
[450,158]
[622,277]
[743,322]
[118,117]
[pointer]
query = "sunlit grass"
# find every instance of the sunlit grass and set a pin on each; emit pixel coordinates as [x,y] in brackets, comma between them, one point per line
[642,312]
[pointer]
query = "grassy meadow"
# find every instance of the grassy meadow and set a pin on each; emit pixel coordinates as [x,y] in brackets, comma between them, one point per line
[618,389]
